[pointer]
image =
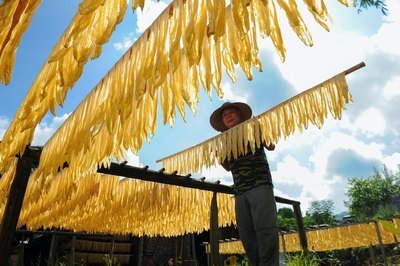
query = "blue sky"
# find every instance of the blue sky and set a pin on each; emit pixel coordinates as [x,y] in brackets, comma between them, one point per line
[312,165]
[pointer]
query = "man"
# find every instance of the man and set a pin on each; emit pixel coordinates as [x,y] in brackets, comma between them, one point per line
[254,197]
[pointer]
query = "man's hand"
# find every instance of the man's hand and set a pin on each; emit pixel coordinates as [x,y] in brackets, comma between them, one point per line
[269,147]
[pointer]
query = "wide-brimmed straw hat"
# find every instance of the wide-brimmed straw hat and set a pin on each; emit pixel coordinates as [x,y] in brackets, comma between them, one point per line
[216,117]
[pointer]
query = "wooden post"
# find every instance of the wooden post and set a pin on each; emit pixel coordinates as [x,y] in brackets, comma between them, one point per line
[21,252]
[208,251]
[181,243]
[382,247]
[53,250]
[178,250]
[372,254]
[193,245]
[71,260]
[300,227]
[140,251]
[283,245]
[112,248]
[14,205]
[214,236]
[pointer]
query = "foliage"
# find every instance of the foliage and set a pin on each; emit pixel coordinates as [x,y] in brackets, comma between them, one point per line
[386,211]
[390,226]
[304,258]
[321,211]
[286,218]
[308,221]
[110,260]
[64,261]
[368,195]
[344,257]
[378,4]
[286,212]
[38,260]
[60,261]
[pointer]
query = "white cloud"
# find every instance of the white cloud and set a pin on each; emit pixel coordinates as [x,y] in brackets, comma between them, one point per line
[313,176]
[289,171]
[233,94]
[126,43]
[392,88]
[384,40]
[392,162]
[149,13]
[282,194]
[218,173]
[371,122]
[339,140]
[334,51]
[44,131]
[394,11]
[331,53]
[132,159]
[312,136]
[313,185]
[4,123]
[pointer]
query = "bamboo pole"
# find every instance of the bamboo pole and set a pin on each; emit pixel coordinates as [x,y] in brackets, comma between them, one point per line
[346,72]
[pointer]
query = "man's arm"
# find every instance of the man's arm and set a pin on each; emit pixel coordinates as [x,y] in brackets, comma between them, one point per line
[225,165]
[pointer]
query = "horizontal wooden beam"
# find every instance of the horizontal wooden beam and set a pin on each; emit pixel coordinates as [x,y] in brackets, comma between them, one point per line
[174,179]
[59,232]
[164,178]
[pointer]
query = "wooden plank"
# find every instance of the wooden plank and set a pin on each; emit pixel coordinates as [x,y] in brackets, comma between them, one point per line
[13,205]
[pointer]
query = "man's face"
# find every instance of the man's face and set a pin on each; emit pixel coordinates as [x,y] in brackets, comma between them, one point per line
[231,117]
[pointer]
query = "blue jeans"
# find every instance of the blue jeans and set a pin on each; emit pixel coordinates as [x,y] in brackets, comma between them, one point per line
[257,224]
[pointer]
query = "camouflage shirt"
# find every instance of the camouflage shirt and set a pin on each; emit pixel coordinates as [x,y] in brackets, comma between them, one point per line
[250,170]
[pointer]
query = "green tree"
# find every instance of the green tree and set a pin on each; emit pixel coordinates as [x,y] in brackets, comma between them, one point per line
[321,211]
[368,196]
[308,221]
[286,212]
[286,218]
[378,4]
